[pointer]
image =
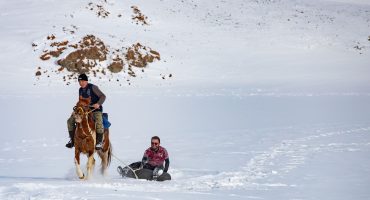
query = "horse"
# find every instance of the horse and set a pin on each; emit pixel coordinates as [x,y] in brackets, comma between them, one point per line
[85,139]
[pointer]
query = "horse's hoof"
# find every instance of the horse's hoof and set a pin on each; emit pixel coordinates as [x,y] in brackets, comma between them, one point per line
[83,177]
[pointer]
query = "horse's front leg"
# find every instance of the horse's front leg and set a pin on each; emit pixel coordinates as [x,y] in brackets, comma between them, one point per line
[90,165]
[77,163]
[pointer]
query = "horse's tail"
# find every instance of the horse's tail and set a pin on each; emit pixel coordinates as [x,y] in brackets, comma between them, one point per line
[107,149]
[105,153]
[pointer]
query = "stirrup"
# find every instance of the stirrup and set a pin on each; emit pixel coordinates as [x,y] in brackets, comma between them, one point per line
[99,146]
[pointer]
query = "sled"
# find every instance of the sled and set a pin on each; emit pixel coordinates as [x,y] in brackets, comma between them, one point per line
[134,171]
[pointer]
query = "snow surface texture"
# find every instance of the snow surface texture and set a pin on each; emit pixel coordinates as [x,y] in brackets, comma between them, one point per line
[268,99]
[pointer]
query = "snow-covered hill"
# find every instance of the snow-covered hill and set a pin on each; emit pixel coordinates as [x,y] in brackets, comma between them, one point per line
[254,99]
[315,45]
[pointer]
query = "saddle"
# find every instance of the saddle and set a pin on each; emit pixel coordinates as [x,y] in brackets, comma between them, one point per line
[106,123]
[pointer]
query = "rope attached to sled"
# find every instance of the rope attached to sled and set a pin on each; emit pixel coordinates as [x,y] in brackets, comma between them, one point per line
[134,171]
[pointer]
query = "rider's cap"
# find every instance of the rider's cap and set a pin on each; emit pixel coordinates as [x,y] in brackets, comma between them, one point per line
[82,77]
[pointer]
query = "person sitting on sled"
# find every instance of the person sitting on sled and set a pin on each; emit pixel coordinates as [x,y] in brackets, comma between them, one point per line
[155,156]
[153,166]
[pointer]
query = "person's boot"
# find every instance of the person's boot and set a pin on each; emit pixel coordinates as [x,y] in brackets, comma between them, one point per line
[157,172]
[71,144]
[99,141]
[121,171]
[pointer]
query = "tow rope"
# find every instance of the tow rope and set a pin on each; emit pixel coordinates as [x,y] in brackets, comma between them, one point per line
[134,171]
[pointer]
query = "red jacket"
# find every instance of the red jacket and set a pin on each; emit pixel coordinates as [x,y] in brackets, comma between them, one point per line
[156,158]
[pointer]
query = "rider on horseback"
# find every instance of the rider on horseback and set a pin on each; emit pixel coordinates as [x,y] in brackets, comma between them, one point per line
[88,90]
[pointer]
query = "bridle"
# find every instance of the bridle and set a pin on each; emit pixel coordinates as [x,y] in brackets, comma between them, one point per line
[84,114]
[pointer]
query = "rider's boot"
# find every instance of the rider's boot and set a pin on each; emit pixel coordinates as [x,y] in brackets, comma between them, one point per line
[71,144]
[99,141]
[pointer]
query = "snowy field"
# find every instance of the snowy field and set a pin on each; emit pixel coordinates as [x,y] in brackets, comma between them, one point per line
[220,148]
[268,99]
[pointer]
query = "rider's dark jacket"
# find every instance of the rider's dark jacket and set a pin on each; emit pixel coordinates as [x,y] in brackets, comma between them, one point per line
[94,93]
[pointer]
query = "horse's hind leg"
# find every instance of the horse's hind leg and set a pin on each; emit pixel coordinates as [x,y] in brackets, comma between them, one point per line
[78,167]
[104,162]
[90,165]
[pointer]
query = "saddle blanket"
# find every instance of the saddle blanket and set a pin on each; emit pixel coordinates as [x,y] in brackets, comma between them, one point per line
[106,123]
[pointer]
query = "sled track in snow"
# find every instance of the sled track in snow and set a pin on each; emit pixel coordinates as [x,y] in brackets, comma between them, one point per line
[279,160]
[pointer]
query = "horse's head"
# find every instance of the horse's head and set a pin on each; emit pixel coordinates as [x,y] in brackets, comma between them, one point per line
[81,108]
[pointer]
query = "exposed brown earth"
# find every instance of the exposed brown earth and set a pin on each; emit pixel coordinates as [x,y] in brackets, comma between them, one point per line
[138,17]
[90,51]
[90,55]
[51,37]
[48,54]
[139,56]
[116,66]
[98,9]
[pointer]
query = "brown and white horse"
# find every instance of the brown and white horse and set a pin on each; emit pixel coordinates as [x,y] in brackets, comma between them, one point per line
[85,139]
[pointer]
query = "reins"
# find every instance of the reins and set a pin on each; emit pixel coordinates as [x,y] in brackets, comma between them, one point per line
[87,120]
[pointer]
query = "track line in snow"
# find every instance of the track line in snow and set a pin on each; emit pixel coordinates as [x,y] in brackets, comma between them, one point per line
[281,159]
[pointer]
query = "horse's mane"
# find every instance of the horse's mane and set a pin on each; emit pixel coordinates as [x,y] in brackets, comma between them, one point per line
[83,101]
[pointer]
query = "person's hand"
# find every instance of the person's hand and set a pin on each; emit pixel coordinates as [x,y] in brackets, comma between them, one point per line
[96,106]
